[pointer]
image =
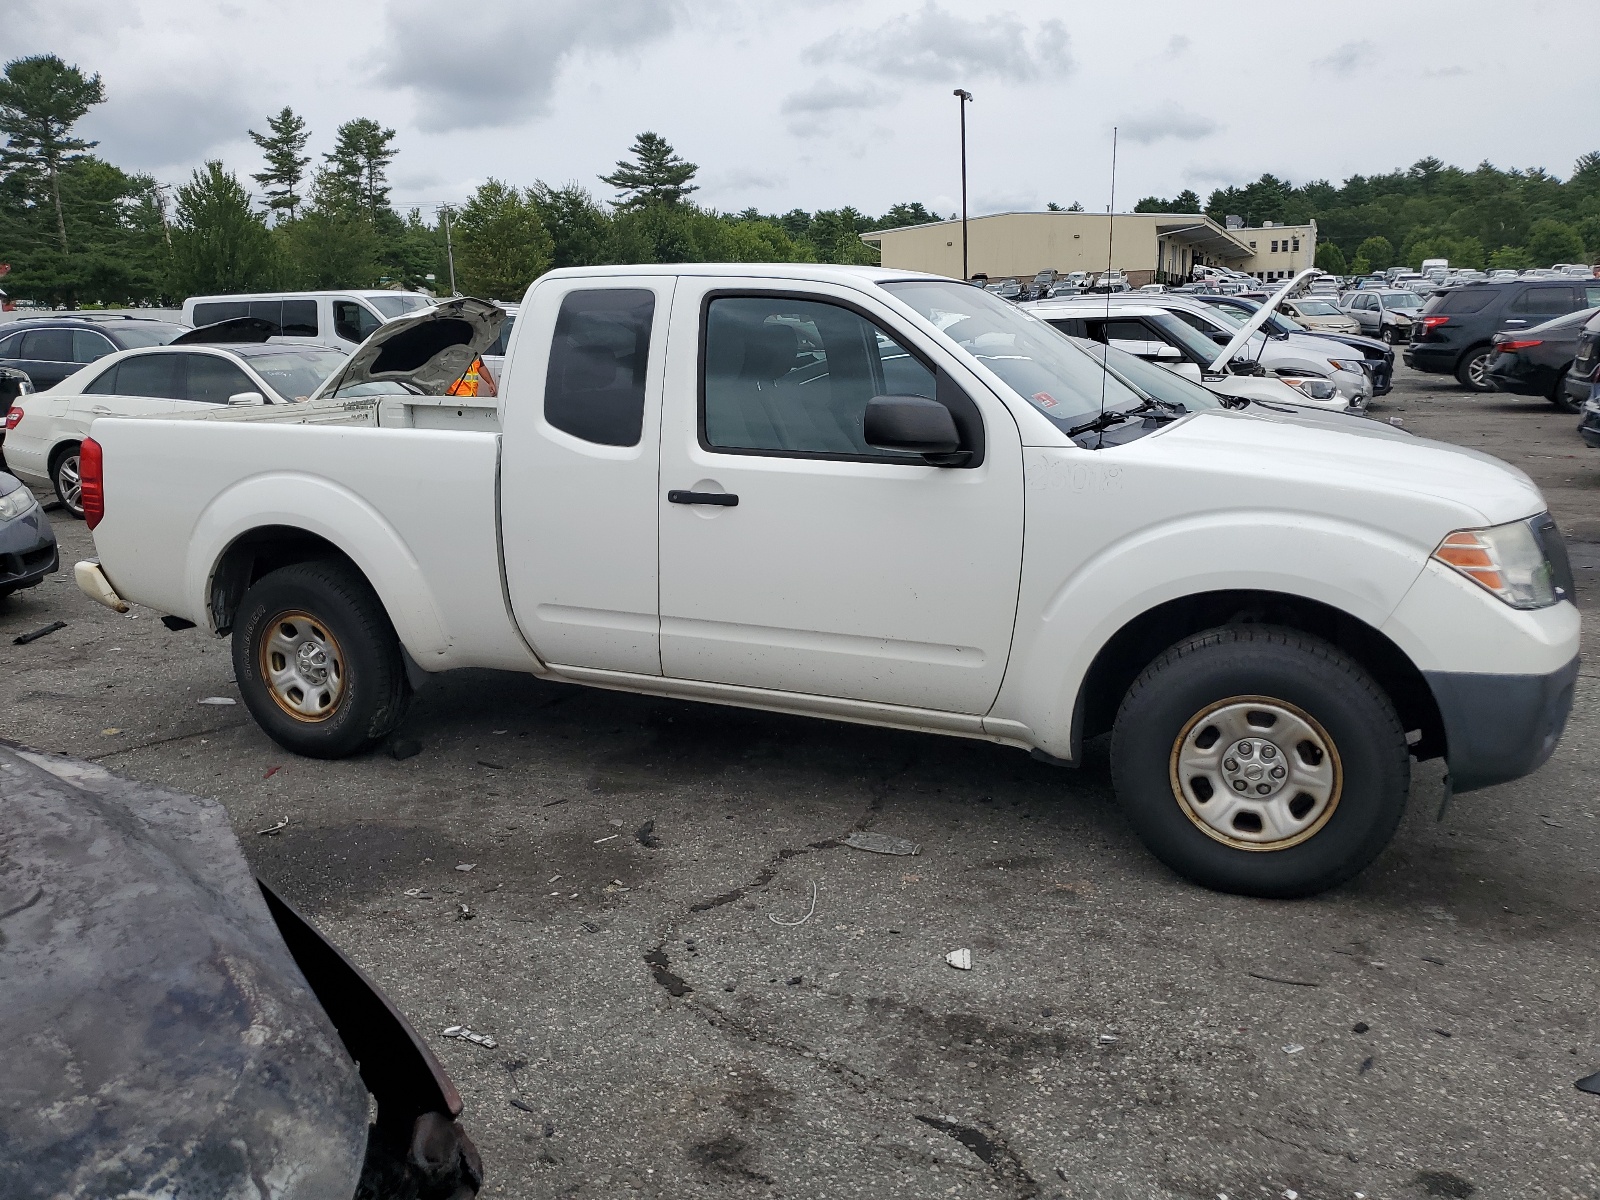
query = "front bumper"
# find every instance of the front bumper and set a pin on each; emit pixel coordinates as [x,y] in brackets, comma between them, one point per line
[27,551]
[1589,427]
[1500,727]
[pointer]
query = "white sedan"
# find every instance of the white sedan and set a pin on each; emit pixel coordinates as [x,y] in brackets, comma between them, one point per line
[44,429]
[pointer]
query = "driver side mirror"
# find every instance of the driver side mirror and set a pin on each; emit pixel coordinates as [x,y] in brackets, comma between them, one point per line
[247,398]
[915,424]
[1220,337]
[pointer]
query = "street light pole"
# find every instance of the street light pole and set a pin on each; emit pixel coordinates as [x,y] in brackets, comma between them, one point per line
[963,98]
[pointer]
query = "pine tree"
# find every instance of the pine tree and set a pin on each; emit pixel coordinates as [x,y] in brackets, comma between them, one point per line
[220,244]
[41,99]
[286,166]
[359,165]
[656,176]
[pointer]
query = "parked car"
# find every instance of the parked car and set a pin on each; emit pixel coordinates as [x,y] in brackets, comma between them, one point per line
[174,1028]
[341,320]
[1375,358]
[51,348]
[27,542]
[1535,362]
[1454,334]
[1584,373]
[1589,427]
[1319,316]
[44,430]
[954,535]
[1386,314]
[1042,283]
[13,384]
[1006,289]
[1059,290]
[1161,336]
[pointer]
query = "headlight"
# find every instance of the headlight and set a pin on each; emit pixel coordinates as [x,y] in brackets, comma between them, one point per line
[1315,389]
[1347,364]
[15,503]
[1505,559]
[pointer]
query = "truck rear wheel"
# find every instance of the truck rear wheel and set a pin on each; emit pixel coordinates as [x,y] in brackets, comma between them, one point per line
[1260,760]
[317,660]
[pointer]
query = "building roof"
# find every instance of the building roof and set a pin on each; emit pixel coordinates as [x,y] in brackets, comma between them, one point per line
[1195,229]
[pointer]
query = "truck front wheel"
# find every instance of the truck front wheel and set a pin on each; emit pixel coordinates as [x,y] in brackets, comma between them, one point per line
[317,660]
[1260,760]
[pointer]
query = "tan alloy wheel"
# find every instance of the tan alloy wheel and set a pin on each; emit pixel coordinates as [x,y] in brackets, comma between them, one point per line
[1256,773]
[302,666]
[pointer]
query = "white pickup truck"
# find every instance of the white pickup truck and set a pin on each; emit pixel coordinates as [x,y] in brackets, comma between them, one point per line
[876,497]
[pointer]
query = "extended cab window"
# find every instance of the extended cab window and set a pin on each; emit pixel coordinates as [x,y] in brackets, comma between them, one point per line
[795,376]
[594,388]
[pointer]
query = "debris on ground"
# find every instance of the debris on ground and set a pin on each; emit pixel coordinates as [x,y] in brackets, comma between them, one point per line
[810,912]
[22,639]
[218,701]
[1293,1048]
[1109,1039]
[400,748]
[110,732]
[271,771]
[614,823]
[465,1034]
[661,967]
[465,866]
[1366,1065]
[961,960]
[283,824]
[493,766]
[418,894]
[881,843]
[522,1104]
[646,835]
[465,913]
[1283,979]
[1590,1084]
[1360,1027]
[612,838]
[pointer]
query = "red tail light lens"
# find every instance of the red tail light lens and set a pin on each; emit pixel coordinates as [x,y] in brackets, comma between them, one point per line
[14,417]
[1434,322]
[1519,345]
[92,493]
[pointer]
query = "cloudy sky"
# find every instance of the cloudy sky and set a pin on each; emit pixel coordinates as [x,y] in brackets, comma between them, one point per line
[840,102]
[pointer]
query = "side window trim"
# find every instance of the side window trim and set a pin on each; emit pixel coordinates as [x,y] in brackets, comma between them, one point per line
[968,418]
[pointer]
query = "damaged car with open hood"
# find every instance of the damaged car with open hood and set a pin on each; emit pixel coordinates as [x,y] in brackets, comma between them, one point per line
[878,497]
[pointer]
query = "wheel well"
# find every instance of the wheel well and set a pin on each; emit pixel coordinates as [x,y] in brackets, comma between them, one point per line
[253,555]
[1138,643]
[58,452]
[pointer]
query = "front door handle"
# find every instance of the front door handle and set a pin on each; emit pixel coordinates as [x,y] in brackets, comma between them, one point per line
[725,499]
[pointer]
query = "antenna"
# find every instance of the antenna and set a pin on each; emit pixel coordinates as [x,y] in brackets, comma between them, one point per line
[1111,222]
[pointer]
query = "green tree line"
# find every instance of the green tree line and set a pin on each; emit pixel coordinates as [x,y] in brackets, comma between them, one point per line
[76,229]
[1483,218]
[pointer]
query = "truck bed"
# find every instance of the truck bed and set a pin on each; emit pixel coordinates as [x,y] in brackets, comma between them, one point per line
[383,412]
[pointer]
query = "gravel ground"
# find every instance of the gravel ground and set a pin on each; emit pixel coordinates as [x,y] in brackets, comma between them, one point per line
[667,1028]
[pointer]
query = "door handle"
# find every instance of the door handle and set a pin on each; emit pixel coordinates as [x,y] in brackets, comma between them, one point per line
[725,499]
[100,410]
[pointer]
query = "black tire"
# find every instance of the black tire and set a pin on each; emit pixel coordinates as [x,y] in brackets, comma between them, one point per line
[1559,397]
[363,694]
[1389,336]
[1369,764]
[1472,370]
[64,477]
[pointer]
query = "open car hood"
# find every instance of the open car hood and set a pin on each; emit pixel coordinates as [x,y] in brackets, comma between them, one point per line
[1250,328]
[429,350]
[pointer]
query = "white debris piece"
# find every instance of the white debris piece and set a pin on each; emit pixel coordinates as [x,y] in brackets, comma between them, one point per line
[961,960]
[1293,1048]
[467,1035]
[1109,1039]
[465,866]
[881,843]
[220,701]
[274,828]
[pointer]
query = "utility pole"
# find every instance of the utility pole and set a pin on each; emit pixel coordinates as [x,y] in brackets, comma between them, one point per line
[449,250]
[964,98]
[161,190]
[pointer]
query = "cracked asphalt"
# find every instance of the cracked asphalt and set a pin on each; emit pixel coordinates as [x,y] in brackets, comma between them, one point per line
[668,1024]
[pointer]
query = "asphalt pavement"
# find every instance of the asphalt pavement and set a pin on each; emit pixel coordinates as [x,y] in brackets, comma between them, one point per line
[697,988]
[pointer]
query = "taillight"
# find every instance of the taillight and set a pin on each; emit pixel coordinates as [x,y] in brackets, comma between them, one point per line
[92,492]
[14,417]
[1430,323]
[1519,345]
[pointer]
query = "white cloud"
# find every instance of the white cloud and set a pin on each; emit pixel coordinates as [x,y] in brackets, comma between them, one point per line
[934,44]
[1169,122]
[1347,57]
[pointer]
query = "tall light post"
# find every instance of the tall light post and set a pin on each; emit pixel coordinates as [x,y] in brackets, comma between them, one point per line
[964,98]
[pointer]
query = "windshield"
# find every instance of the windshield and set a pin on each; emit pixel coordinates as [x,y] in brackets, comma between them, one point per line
[1402,300]
[1153,379]
[295,376]
[1317,308]
[147,333]
[1050,371]
[398,304]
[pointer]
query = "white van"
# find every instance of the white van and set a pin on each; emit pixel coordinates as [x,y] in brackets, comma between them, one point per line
[341,320]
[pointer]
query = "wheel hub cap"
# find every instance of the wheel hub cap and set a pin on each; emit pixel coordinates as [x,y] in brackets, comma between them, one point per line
[1256,773]
[302,666]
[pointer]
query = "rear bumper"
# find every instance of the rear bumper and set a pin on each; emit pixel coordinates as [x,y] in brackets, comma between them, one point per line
[1440,360]
[1511,373]
[1500,727]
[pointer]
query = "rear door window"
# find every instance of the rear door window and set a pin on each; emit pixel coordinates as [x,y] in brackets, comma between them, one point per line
[156,375]
[212,379]
[594,388]
[299,318]
[1461,300]
[11,346]
[1591,298]
[352,321]
[47,345]
[1542,302]
[220,310]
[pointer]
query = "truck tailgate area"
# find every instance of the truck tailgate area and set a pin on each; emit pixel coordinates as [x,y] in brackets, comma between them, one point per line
[414,508]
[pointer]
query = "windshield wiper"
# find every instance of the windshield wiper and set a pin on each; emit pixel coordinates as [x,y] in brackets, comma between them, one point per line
[1157,410]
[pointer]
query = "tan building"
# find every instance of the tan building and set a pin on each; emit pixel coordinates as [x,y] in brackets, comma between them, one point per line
[1146,247]
[1278,251]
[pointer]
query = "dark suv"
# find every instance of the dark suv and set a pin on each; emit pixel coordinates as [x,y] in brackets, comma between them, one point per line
[1454,335]
[51,348]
